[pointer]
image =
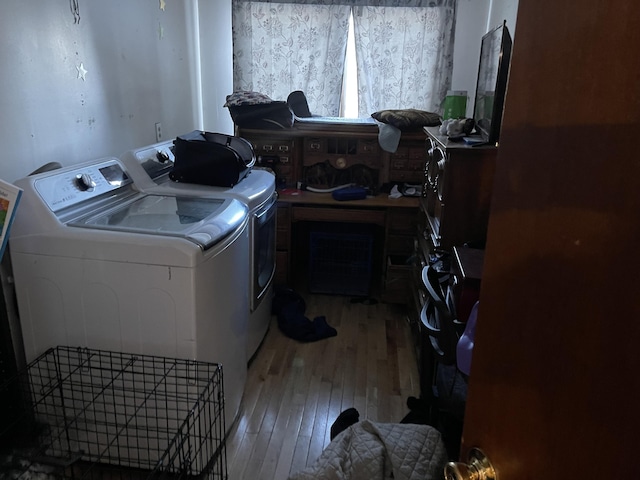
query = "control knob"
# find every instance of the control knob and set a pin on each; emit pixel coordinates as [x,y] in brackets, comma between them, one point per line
[84,182]
[162,156]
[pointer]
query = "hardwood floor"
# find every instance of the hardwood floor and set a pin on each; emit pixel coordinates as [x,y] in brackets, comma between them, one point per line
[295,390]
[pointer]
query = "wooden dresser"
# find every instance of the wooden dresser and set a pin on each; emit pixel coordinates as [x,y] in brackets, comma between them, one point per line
[459,184]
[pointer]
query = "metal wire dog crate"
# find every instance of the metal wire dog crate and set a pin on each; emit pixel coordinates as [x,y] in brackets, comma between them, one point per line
[82,413]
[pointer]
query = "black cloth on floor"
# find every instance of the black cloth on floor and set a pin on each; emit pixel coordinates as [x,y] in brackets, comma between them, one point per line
[344,421]
[289,307]
[419,411]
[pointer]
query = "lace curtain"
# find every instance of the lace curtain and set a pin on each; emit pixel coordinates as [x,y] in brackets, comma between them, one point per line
[404,53]
[282,47]
[404,57]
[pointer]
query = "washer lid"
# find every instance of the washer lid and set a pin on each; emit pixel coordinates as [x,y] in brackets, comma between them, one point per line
[204,221]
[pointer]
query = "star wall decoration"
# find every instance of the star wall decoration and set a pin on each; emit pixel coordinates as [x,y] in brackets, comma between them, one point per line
[82,72]
[75,10]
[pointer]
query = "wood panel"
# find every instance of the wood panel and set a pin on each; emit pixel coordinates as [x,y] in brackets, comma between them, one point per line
[350,215]
[553,393]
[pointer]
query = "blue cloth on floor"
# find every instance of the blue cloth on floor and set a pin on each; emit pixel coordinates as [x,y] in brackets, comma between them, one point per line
[289,308]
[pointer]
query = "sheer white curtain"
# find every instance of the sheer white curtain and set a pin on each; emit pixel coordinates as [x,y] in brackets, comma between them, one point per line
[404,51]
[282,47]
[404,56]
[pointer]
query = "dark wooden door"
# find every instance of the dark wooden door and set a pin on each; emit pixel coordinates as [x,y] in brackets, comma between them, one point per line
[555,381]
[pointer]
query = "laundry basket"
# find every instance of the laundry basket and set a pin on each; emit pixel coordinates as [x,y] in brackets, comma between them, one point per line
[88,414]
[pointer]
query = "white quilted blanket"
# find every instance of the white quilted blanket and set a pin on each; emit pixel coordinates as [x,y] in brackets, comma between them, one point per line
[368,451]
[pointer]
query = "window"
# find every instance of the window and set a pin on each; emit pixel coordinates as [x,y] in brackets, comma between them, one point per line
[349,97]
[399,56]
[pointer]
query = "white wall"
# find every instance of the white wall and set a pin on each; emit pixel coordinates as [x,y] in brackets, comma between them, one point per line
[141,69]
[474,19]
[216,55]
[503,10]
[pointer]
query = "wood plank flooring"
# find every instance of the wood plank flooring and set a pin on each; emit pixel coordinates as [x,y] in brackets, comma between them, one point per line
[295,390]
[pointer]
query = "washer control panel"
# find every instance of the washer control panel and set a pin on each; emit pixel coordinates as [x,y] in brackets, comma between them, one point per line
[156,160]
[68,187]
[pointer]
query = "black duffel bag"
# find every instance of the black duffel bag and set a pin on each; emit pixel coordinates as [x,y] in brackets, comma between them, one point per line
[250,109]
[213,159]
[272,116]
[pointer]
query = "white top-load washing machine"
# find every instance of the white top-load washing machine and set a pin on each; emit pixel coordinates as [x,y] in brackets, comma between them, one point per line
[150,167]
[99,264]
